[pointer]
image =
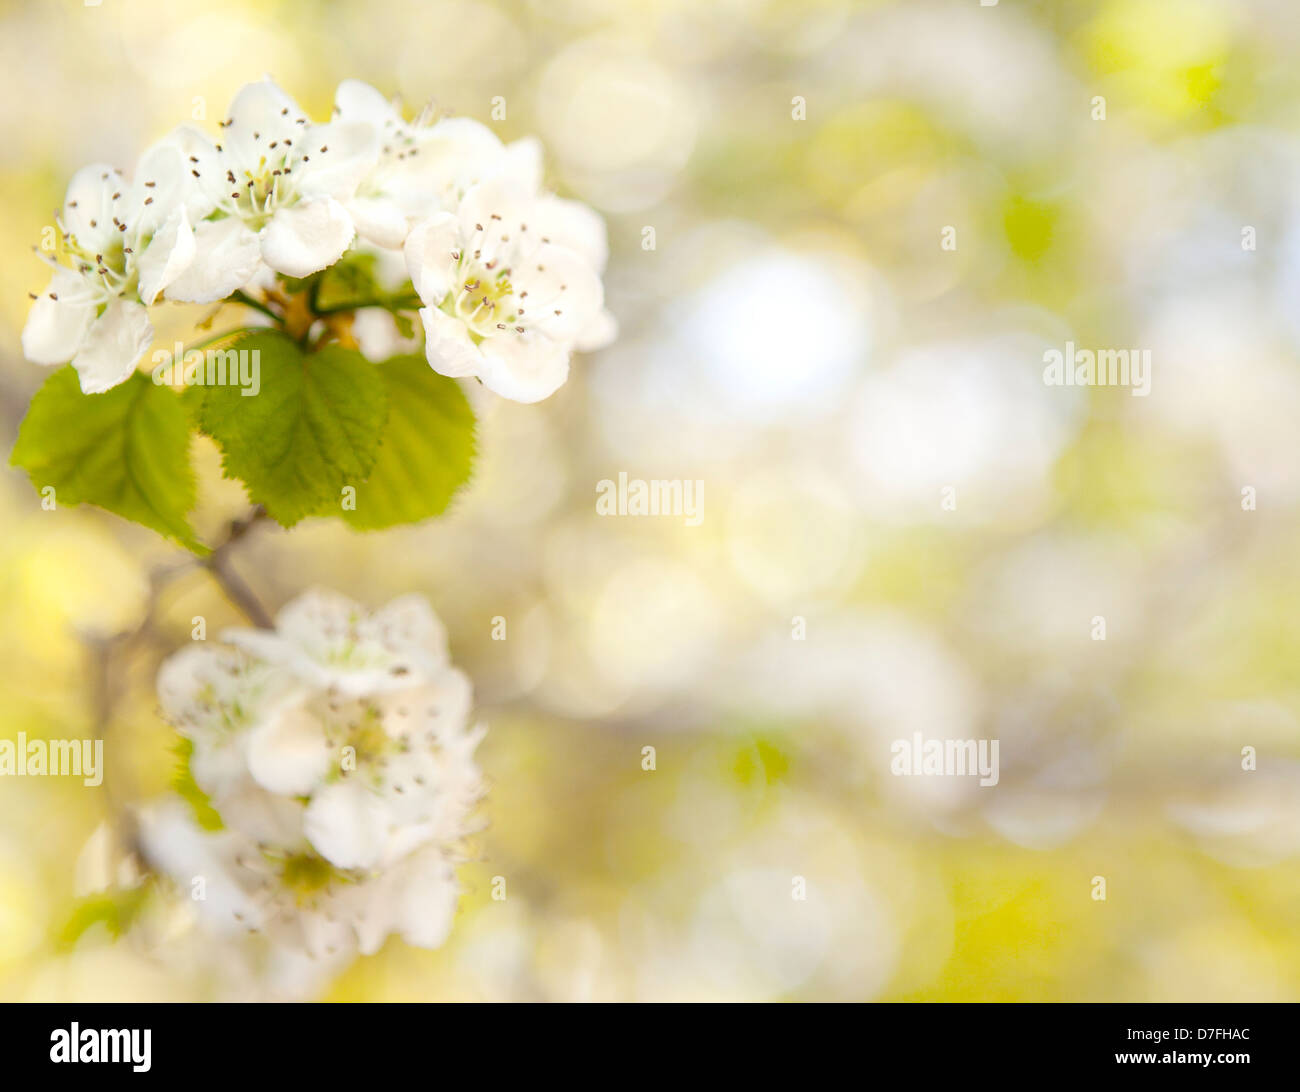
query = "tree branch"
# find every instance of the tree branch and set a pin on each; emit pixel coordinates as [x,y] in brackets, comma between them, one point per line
[103,648]
[235,587]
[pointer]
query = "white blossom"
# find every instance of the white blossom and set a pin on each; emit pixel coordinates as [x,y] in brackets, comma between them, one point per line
[327,640]
[271,188]
[422,167]
[509,275]
[127,241]
[295,900]
[504,302]
[337,751]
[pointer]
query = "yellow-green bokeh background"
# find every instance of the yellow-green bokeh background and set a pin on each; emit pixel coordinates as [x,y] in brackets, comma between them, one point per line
[799,340]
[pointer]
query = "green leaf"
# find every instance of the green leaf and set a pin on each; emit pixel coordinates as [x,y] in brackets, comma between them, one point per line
[427,449]
[127,450]
[348,280]
[312,429]
[205,815]
[353,282]
[405,325]
[192,391]
[115,910]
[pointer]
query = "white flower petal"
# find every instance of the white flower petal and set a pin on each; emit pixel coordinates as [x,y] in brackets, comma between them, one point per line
[318,618]
[523,161]
[447,345]
[426,901]
[347,824]
[435,710]
[288,654]
[218,769]
[599,332]
[323,937]
[430,256]
[493,212]
[56,328]
[573,225]
[456,154]
[177,847]
[200,184]
[167,256]
[408,622]
[287,753]
[415,898]
[341,154]
[264,816]
[260,113]
[327,640]
[564,292]
[355,100]
[306,238]
[524,368]
[115,342]
[267,645]
[371,917]
[88,207]
[471,139]
[227,255]
[379,220]
[186,675]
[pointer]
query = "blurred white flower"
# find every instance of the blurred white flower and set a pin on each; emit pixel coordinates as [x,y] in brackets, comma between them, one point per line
[328,641]
[408,772]
[1245,818]
[780,334]
[127,241]
[970,416]
[337,752]
[297,901]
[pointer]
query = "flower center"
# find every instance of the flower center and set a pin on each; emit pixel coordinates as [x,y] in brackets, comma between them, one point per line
[256,191]
[355,731]
[257,194]
[107,270]
[305,874]
[484,300]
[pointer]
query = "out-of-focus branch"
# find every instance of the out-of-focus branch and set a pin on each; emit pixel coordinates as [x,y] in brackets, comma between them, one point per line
[234,585]
[103,649]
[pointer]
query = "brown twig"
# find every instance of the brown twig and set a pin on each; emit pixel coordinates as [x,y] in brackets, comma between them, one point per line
[103,648]
[236,588]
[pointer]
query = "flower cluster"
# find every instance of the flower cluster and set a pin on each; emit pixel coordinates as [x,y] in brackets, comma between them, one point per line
[509,276]
[336,752]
